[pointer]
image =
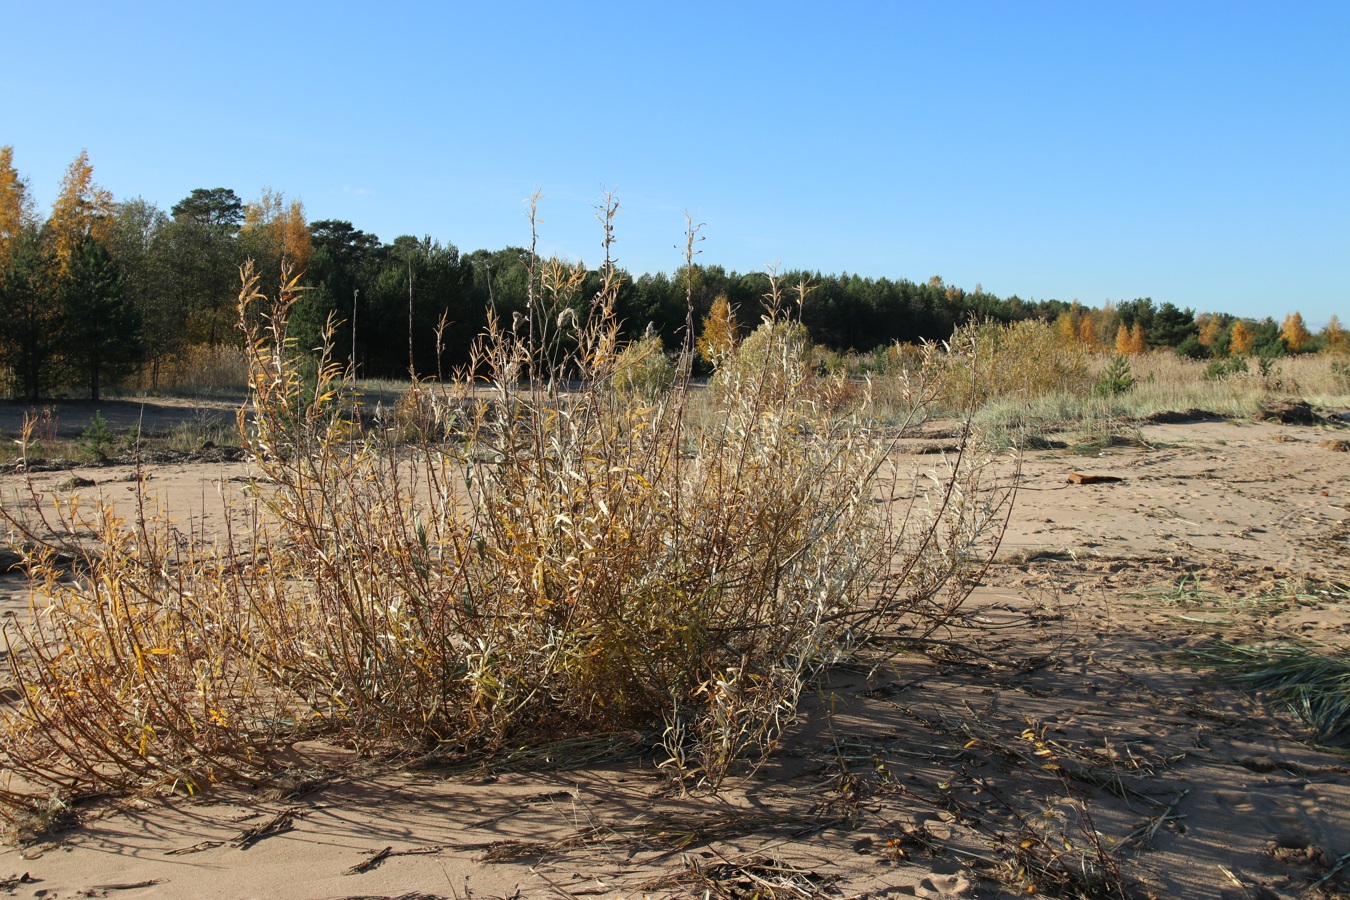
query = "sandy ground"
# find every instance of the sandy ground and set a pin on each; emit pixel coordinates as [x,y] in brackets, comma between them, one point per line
[1052,731]
[69,418]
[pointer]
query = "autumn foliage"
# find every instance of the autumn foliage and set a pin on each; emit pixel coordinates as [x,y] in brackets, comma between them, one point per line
[82,210]
[1241,339]
[386,298]
[720,333]
[1294,333]
[14,209]
[281,226]
[1335,338]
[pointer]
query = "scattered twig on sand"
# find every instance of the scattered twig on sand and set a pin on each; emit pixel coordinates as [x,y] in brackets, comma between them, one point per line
[1340,863]
[13,881]
[279,823]
[371,861]
[125,886]
[1143,836]
[547,797]
[195,848]
[379,856]
[754,876]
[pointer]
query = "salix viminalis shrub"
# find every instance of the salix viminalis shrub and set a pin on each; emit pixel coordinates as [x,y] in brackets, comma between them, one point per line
[538,551]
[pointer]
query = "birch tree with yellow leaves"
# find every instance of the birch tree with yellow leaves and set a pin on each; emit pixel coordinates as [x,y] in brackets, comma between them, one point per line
[720,333]
[16,208]
[1294,333]
[277,232]
[1334,337]
[82,210]
[28,311]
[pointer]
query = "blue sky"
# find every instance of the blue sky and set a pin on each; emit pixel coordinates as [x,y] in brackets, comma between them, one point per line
[1194,152]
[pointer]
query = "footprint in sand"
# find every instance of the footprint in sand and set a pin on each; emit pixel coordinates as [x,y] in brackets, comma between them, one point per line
[1235,801]
[939,886]
[1288,825]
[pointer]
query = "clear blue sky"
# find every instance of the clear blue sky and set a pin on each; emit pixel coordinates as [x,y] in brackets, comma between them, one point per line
[1197,152]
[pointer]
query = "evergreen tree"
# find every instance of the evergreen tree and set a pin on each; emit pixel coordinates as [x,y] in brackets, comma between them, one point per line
[211,208]
[1171,326]
[28,316]
[100,328]
[201,247]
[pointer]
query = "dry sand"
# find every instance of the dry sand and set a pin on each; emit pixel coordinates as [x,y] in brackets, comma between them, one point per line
[1055,727]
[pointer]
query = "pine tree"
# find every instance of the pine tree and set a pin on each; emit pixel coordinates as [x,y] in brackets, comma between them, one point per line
[101,329]
[1241,339]
[30,315]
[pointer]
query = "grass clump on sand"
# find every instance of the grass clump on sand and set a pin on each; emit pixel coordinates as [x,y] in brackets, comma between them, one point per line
[1106,400]
[1314,683]
[527,562]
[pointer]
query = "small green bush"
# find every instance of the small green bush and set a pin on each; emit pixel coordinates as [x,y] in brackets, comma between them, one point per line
[1116,380]
[97,439]
[1220,369]
[1025,359]
[644,369]
[776,356]
[1340,372]
[1191,348]
[1265,361]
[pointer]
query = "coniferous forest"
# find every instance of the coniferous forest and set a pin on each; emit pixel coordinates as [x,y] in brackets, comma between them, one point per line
[101,291]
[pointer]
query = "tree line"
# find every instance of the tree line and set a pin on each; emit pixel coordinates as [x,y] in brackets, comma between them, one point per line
[100,290]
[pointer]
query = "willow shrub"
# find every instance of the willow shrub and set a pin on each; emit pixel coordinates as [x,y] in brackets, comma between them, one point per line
[524,562]
[1019,361]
